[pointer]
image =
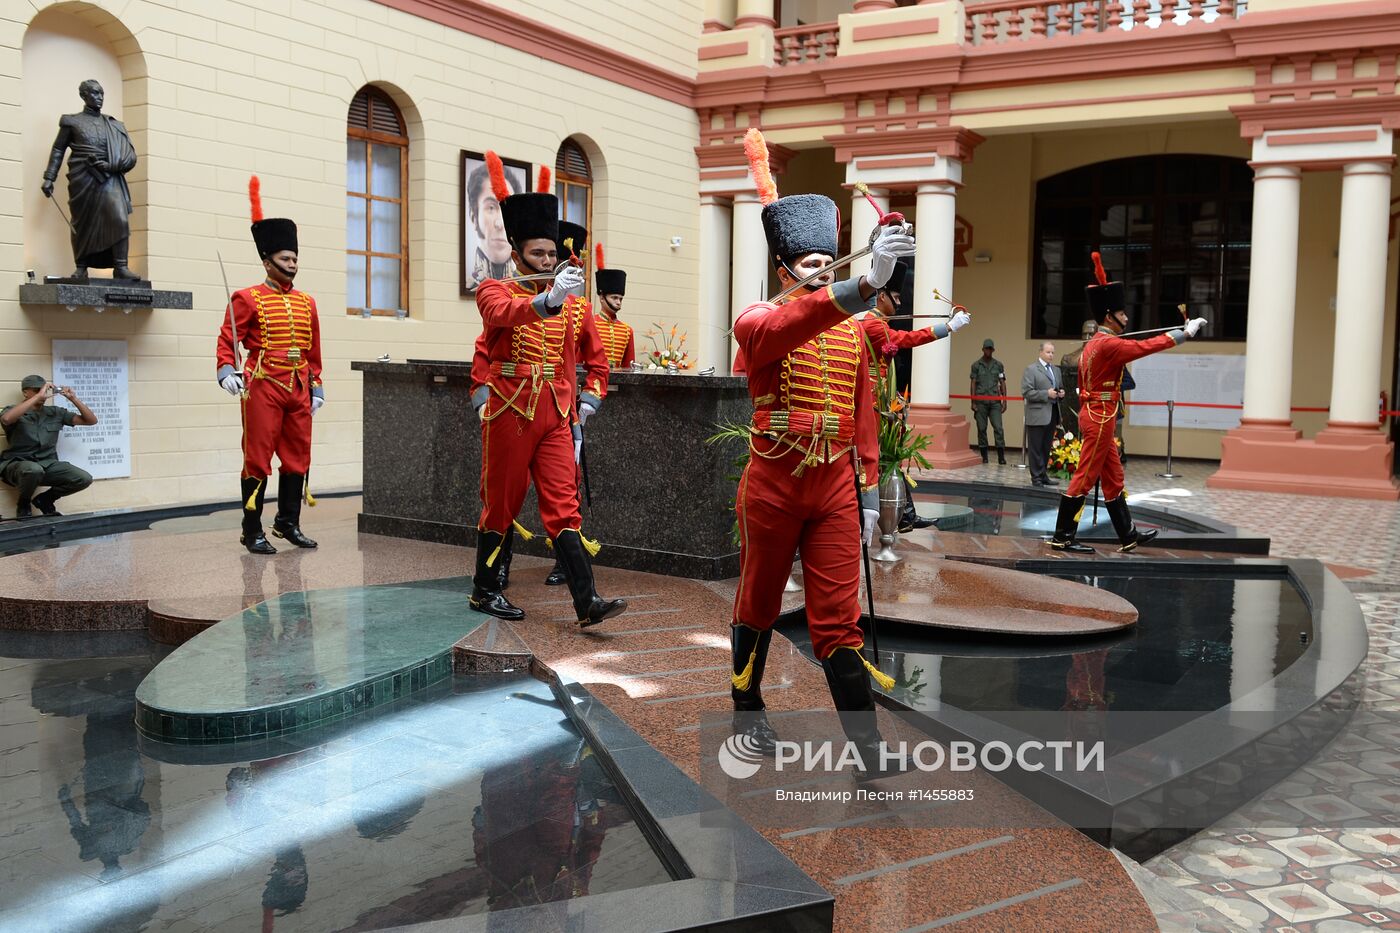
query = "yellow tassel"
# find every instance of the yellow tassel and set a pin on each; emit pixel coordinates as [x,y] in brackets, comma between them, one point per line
[592,547]
[885,681]
[744,678]
[306,492]
[490,561]
[252,502]
[549,543]
[525,533]
[1080,514]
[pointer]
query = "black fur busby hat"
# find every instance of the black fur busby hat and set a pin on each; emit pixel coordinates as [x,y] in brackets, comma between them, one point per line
[532,215]
[270,234]
[573,238]
[896,282]
[1105,297]
[608,281]
[797,224]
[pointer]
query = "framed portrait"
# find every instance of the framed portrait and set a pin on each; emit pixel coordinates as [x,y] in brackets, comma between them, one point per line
[485,250]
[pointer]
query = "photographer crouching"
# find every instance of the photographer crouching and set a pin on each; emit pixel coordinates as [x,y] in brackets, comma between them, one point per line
[32,428]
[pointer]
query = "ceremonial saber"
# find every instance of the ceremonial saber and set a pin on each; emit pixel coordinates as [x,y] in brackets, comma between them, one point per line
[541,276]
[61,214]
[865,553]
[1161,330]
[232,324]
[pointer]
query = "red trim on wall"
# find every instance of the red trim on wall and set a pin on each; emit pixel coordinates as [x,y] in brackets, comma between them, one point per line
[1309,139]
[910,162]
[951,142]
[1325,165]
[1257,119]
[708,173]
[728,50]
[729,155]
[917,27]
[499,25]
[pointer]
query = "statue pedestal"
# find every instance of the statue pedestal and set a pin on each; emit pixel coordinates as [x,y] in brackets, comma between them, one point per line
[100,294]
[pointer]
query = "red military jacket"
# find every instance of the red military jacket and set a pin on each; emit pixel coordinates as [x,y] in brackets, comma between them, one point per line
[1101,368]
[617,340]
[880,333]
[525,352]
[281,333]
[808,376]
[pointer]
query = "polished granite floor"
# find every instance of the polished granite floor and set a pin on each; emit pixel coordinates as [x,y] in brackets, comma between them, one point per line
[473,797]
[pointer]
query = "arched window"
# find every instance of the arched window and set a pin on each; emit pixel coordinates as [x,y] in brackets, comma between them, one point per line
[376,206]
[573,184]
[1175,229]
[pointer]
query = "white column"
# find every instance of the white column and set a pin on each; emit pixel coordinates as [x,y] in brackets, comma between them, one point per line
[863,220]
[1356,349]
[933,268]
[754,13]
[715,232]
[1273,287]
[751,263]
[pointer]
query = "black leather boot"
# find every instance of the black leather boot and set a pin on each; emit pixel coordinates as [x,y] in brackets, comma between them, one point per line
[849,681]
[504,558]
[984,454]
[556,575]
[119,255]
[253,490]
[1067,526]
[578,571]
[750,651]
[287,523]
[44,503]
[909,517]
[1128,533]
[1001,455]
[485,595]
[24,509]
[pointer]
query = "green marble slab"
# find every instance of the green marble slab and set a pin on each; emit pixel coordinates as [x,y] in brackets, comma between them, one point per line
[303,660]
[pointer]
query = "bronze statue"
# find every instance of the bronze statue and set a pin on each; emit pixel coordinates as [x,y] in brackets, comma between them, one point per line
[1069,375]
[100,155]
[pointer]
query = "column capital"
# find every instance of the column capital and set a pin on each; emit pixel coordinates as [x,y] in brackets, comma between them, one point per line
[865,6]
[1369,167]
[755,13]
[949,142]
[711,199]
[745,197]
[1275,172]
[728,155]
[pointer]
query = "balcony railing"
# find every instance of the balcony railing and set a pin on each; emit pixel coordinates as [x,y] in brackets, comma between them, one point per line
[1002,21]
[801,45]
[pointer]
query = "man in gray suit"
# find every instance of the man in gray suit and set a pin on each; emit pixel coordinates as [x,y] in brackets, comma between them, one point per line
[1042,390]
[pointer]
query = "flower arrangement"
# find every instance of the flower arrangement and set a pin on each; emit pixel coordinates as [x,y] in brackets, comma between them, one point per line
[672,354]
[738,436]
[1064,455]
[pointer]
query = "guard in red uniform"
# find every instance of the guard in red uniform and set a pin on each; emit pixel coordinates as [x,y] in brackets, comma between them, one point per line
[526,404]
[813,442]
[279,380]
[1100,396]
[883,342]
[611,286]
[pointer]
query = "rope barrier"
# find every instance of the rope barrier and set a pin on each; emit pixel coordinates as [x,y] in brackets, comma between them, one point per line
[1016,398]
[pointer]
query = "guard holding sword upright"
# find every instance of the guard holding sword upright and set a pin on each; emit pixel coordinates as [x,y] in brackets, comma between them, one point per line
[278,382]
[813,439]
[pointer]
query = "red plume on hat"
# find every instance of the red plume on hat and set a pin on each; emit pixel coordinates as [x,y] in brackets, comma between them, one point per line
[598,256]
[543,187]
[255,198]
[756,150]
[497,171]
[1099,274]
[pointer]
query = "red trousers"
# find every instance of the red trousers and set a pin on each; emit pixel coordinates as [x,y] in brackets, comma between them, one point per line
[817,514]
[276,421]
[1098,457]
[516,449]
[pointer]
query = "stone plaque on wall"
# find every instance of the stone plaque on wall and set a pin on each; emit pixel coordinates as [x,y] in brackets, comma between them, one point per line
[97,372]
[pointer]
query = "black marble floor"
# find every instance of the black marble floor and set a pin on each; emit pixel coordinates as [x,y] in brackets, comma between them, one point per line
[476,797]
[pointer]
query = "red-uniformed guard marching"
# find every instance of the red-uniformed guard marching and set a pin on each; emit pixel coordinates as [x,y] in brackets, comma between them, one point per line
[526,404]
[1100,396]
[884,341]
[611,285]
[279,380]
[813,440]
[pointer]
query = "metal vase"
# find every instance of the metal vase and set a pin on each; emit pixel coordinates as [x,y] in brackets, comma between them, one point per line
[891,500]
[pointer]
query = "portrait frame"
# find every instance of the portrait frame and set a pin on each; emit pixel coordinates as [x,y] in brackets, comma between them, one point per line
[517,176]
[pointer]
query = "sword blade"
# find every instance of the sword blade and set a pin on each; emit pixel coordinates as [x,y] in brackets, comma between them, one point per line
[232,324]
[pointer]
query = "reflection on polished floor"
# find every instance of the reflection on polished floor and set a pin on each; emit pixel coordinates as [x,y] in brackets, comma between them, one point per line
[477,796]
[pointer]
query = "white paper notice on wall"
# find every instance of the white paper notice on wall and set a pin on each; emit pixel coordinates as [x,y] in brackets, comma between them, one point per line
[97,372]
[1215,379]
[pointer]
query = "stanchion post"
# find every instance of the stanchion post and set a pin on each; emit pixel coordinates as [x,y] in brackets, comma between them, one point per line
[1022,464]
[1171,409]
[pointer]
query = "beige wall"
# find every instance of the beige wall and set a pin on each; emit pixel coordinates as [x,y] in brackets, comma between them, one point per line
[238,88]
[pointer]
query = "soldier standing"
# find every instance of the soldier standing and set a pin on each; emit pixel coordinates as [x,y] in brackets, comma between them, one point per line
[611,285]
[279,380]
[988,378]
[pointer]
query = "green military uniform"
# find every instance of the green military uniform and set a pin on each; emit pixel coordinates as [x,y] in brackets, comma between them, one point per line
[988,378]
[31,460]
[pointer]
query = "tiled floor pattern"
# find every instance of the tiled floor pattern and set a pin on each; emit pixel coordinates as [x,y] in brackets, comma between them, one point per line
[1321,851]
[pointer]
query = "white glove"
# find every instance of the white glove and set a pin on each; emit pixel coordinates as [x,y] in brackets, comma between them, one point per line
[1193,326]
[959,320]
[232,384]
[567,281]
[584,410]
[578,448]
[869,521]
[316,403]
[891,243]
